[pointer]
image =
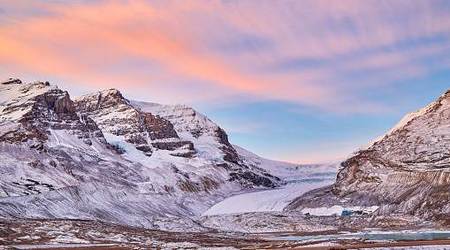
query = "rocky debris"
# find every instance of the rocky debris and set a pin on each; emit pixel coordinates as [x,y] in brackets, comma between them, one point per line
[173,145]
[118,149]
[86,234]
[303,224]
[270,222]
[204,185]
[145,148]
[407,171]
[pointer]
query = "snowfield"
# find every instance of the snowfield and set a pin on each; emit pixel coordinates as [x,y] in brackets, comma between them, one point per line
[337,210]
[266,200]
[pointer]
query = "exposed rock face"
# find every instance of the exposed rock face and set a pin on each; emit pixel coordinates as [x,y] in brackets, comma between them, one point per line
[12,81]
[142,129]
[35,108]
[207,136]
[405,172]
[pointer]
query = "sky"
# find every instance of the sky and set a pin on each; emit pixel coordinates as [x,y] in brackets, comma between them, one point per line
[301,81]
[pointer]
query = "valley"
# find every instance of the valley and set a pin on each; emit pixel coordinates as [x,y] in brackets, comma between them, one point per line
[102,171]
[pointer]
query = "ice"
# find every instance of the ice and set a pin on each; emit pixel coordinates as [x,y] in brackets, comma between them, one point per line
[337,210]
[131,153]
[299,179]
[266,200]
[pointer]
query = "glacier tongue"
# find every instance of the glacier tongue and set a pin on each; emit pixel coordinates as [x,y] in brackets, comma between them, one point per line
[299,179]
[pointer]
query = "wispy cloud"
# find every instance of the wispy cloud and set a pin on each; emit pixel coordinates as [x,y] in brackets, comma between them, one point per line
[304,52]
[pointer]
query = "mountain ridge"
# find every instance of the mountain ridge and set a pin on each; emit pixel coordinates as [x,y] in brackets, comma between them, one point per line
[102,157]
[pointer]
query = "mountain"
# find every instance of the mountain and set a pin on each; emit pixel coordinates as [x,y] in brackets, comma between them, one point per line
[104,157]
[406,172]
[289,171]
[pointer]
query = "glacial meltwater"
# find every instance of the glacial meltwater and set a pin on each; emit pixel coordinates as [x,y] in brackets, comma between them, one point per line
[371,236]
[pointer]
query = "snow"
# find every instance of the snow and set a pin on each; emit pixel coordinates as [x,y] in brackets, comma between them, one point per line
[324,211]
[63,138]
[184,118]
[131,153]
[278,168]
[336,210]
[190,125]
[8,126]
[14,96]
[289,171]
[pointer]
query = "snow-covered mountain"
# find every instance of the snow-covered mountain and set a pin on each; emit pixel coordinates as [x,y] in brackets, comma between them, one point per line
[405,172]
[105,157]
[289,171]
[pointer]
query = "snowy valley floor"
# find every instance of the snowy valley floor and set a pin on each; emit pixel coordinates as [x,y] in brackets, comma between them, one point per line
[252,220]
[248,220]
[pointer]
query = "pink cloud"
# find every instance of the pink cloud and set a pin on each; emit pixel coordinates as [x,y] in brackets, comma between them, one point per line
[83,43]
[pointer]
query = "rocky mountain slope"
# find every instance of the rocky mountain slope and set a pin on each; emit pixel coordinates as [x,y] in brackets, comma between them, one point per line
[104,157]
[405,172]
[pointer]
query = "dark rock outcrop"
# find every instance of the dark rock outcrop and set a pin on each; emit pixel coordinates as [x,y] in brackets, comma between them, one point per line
[145,130]
[51,108]
[12,81]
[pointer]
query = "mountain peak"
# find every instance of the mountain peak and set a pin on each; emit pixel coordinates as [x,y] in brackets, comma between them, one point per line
[101,99]
[112,92]
[18,98]
[445,96]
